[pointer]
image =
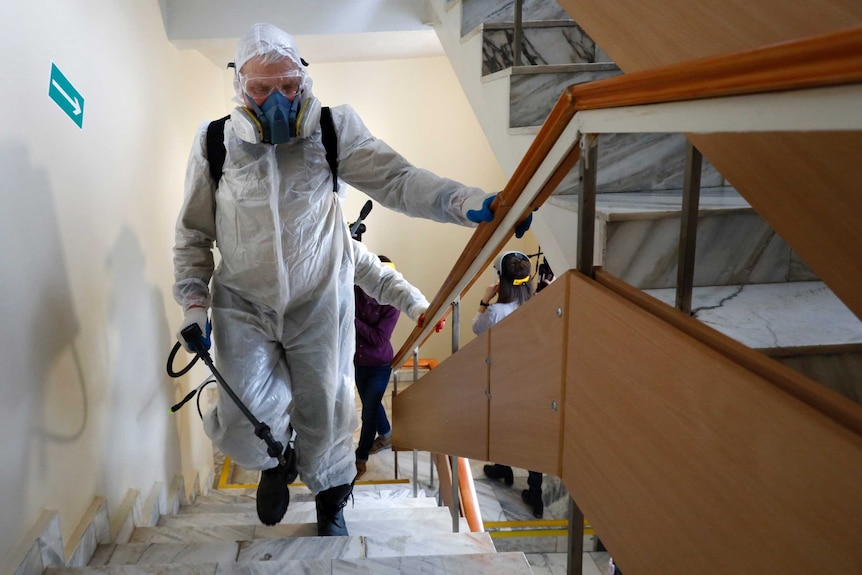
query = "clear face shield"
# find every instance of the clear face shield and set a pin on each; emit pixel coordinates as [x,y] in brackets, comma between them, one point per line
[260,87]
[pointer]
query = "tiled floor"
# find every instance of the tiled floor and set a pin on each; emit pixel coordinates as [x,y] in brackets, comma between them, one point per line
[544,547]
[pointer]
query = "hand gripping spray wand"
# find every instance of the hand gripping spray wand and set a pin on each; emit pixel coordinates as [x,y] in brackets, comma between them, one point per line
[193,336]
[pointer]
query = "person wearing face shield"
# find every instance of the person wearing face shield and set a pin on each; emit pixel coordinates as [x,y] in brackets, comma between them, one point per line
[282,303]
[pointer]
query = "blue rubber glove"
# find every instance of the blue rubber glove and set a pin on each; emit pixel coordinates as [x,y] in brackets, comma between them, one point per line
[522,228]
[484,214]
[196,315]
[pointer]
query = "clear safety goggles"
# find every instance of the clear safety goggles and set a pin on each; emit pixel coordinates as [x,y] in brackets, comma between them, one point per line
[260,87]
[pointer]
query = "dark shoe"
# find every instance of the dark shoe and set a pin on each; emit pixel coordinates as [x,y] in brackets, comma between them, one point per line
[272,493]
[330,510]
[498,471]
[533,498]
[380,444]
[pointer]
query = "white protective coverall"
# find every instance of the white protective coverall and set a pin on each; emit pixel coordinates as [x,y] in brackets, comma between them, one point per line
[282,295]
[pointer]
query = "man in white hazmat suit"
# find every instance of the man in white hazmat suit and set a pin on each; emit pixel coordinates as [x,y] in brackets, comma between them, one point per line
[282,296]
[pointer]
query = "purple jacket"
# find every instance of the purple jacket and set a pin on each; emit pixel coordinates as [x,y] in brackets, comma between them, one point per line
[374,326]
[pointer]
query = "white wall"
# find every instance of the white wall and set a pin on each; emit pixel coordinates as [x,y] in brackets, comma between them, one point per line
[86,227]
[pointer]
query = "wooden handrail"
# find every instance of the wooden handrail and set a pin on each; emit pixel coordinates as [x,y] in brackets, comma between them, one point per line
[824,60]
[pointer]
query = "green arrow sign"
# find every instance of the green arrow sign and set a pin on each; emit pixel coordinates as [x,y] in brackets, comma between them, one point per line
[66,96]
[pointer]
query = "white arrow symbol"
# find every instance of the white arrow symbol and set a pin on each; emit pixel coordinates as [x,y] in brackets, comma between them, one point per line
[76,107]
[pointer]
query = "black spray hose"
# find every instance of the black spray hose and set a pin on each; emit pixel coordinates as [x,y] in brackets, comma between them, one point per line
[193,335]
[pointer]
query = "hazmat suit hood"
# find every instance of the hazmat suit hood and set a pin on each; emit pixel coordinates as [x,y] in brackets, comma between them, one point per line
[266,39]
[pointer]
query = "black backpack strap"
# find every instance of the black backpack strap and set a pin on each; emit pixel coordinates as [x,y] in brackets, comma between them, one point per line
[330,143]
[216,152]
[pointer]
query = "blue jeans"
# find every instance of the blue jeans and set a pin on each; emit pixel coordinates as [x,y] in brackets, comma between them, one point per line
[371,382]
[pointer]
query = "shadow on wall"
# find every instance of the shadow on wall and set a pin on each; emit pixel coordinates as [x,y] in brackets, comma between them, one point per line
[139,428]
[37,337]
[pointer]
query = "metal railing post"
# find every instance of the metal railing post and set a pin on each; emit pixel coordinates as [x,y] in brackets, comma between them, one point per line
[415,451]
[519,31]
[587,203]
[688,228]
[455,510]
[575,556]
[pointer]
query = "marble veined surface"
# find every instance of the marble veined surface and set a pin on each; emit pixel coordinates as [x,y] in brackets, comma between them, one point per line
[767,316]
[476,12]
[478,564]
[656,204]
[641,163]
[545,45]
[533,91]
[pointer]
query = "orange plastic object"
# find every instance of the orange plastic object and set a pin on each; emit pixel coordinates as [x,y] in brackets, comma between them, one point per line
[424,363]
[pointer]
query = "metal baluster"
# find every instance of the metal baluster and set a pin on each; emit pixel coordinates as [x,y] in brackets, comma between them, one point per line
[519,31]
[688,228]
[574,560]
[415,452]
[587,203]
[455,510]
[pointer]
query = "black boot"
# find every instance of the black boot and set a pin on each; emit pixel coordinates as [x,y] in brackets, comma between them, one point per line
[330,510]
[498,471]
[533,498]
[533,495]
[272,493]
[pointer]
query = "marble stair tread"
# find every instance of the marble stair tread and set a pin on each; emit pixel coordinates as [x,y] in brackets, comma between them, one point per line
[499,563]
[621,206]
[216,496]
[243,532]
[150,569]
[196,534]
[774,316]
[303,516]
[358,503]
[300,492]
[370,546]
[147,553]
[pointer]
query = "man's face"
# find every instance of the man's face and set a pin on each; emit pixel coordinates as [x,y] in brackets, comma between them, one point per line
[258,80]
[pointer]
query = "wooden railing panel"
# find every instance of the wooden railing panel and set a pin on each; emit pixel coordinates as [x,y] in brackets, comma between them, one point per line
[527,360]
[642,34]
[687,462]
[446,411]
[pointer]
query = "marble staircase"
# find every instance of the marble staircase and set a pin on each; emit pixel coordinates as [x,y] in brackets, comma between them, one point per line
[390,531]
[639,192]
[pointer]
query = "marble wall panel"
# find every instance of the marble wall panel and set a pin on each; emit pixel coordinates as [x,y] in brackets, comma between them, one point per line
[733,249]
[641,163]
[532,96]
[476,12]
[539,46]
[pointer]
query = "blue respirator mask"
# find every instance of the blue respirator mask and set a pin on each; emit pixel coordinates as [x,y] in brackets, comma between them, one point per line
[277,120]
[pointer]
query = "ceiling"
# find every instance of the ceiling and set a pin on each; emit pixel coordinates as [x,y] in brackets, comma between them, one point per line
[324,30]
